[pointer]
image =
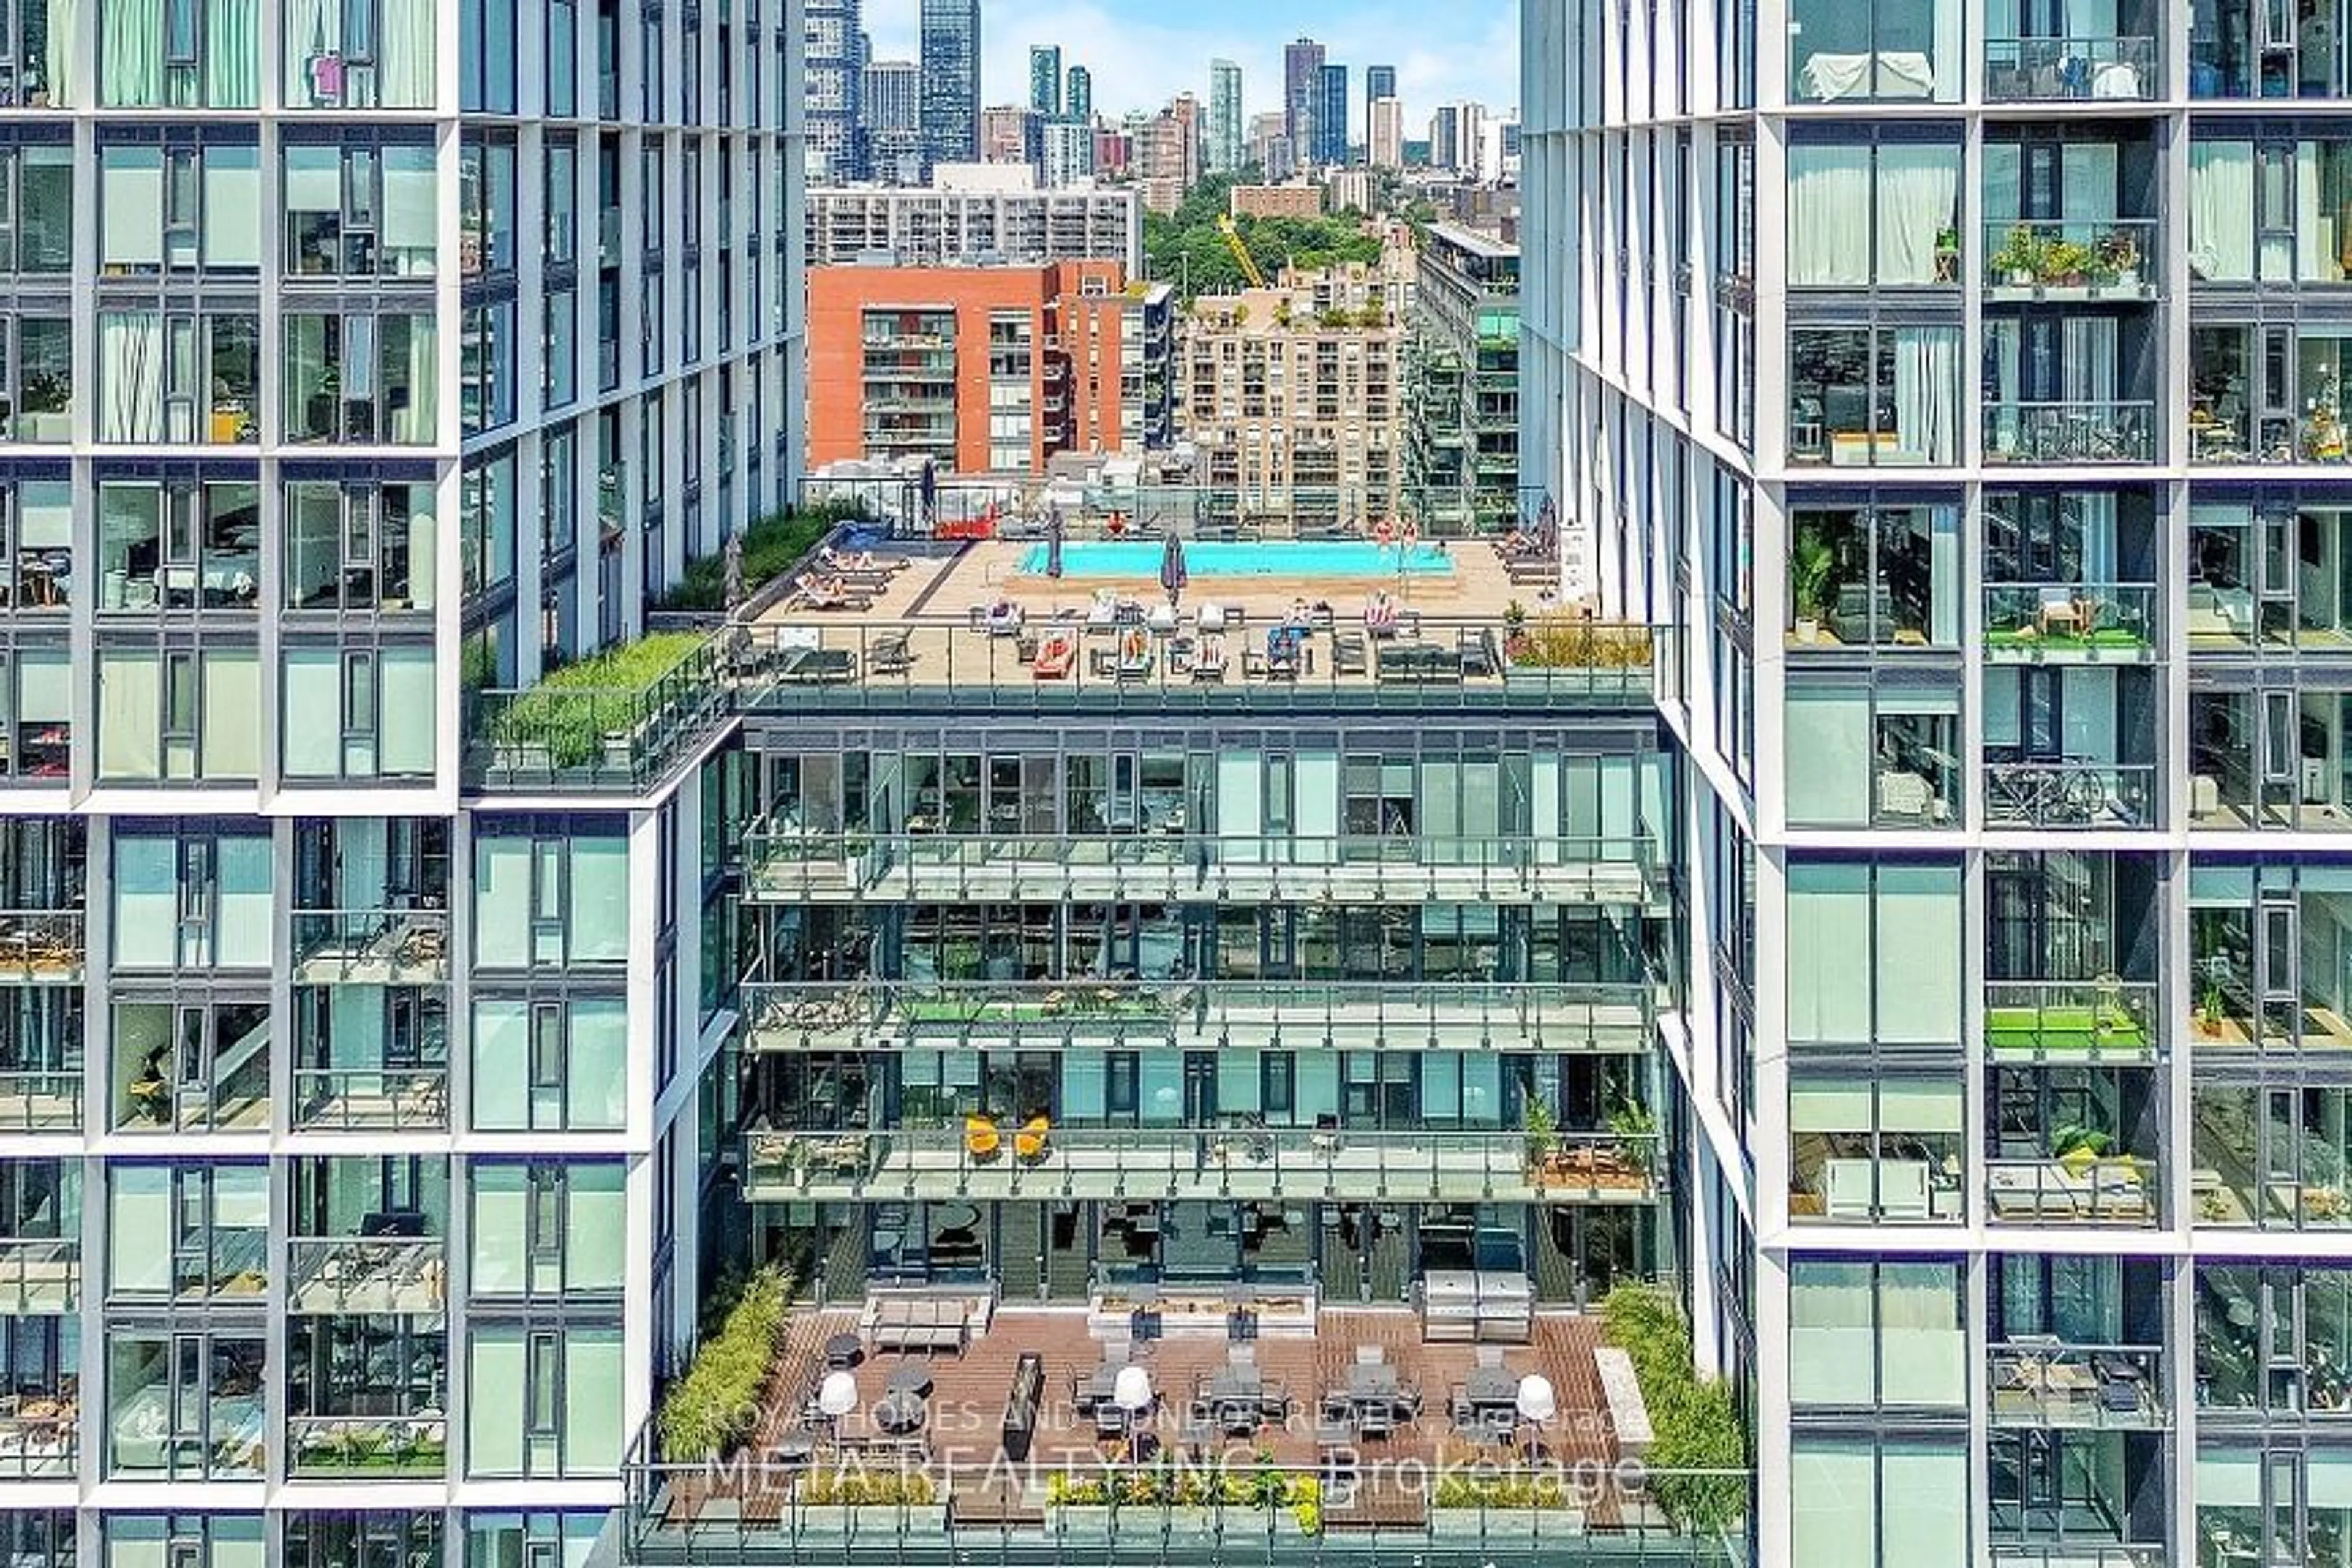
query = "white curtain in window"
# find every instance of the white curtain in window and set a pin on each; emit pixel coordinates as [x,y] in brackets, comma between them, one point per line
[130,714]
[593,1439]
[44,514]
[494,1426]
[412,420]
[130,375]
[405,713]
[1829,216]
[312,37]
[130,54]
[57,52]
[1084,1086]
[501,1234]
[236,1543]
[1923,1345]
[312,700]
[1832,1348]
[146,901]
[232,54]
[1919,197]
[1918,954]
[410,220]
[1314,1091]
[1239,1082]
[1829,925]
[595,1226]
[1924,1506]
[599,900]
[245,905]
[596,1072]
[1829,756]
[502,902]
[405,54]
[139,1228]
[2088,345]
[2316,237]
[232,714]
[233,207]
[131,207]
[1832,1502]
[2087,187]
[501,1066]
[2222,210]
[1927,394]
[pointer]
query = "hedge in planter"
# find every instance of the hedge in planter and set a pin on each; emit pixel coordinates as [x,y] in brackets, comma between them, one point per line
[715,1408]
[1695,1423]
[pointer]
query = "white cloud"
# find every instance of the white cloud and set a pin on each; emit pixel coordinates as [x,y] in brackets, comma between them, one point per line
[1140,61]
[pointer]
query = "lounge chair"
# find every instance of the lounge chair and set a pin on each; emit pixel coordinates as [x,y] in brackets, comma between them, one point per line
[1348,655]
[836,595]
[889,655]
[1055,657]
[1210,662]
[1134,657]
[866,564]
[1000,619]
[982,1141]
[1381,616]
[1029,1142]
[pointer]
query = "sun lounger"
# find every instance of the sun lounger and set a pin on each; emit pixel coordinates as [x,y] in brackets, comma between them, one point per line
[1055,657]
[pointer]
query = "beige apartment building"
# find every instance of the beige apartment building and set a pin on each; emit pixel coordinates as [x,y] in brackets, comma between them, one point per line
[1292,397]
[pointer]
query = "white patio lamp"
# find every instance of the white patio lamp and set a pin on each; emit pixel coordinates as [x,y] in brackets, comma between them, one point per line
[1131,1392]
[1537,1403]
[837,1396]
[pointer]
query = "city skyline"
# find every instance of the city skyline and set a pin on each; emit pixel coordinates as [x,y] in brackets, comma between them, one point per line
[1139,63]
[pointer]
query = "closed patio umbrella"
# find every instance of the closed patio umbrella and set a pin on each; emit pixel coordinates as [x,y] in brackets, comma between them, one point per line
[1172,575]
[1053,531]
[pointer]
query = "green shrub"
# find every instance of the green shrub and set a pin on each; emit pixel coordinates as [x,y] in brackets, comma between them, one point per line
[771,547]
[572,708]
[867,1489]
[716,1406]
[1694,1424]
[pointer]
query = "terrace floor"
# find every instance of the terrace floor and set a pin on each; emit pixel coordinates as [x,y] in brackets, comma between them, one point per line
[960,1442]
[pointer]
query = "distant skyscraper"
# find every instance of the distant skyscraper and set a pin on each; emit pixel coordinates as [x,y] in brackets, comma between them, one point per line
[1380,82]
[891,112]
[1302,84]
[1227,138]
[1045,78]
[1384,133]
[831,88]
[951,82]
[1078,104]
[1332,116]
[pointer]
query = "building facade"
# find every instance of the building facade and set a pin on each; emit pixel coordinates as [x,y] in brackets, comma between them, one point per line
[998,219]
[1169,154]
[351,1153]
[1226,144]
[1010,133]
[1380,82]
[949,87]
[835,73]
[1302,91]
[2013,978]
[1069,154]
[1078,104]
[1046,79]
[891,122]
[1293,395]
[1297,200]
[1331,117]
[1384,136]
[1462,384]
[983,370]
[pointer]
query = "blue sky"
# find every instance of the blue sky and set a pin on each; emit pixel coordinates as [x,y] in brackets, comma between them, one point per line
[1143,54]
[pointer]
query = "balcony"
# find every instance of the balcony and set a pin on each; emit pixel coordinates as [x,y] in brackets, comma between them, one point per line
[985,1160]
[2065,70]
[2108,260]
[2046,1383]
[359,1447]
[617,721]
[2076,1497]
[342,1275]
[40,1101]
[41,946]
[2108,1190]
[40,1433]
[386,1098]
[1158,862]
[39,1274]
[2075,623]
[1237,1014]
[2072,1021]
[2065,433]
[371,947]
[2070,794]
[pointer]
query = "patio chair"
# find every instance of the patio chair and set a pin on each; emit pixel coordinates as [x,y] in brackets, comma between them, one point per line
[890,655]
[981,1139]
[1029,1143]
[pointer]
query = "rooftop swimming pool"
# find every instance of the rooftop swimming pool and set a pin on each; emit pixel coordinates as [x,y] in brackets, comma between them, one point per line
[1214,558]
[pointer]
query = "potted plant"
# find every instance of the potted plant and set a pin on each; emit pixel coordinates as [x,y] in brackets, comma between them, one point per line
[2212,1006]
[1947,255]
[1812,566]
[2118,257]
[1636,1127]
[2067,263]
[1542,1138]
[2018,260]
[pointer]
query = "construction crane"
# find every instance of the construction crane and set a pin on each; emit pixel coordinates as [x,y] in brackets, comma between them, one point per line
[1232,232]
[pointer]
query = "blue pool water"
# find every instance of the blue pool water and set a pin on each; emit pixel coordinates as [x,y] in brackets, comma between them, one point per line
[1335,558]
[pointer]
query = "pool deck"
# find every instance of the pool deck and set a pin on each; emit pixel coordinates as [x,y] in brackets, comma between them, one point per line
[944,591]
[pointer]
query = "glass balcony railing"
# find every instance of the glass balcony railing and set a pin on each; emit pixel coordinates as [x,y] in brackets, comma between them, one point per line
[2093,258]
[2069,794]
[2068,1021]
[2124,1190]
[40,1432]
[363,1447]
[1159,860]
[41,945]
[40,1101]
[2081,1554]
[2060,433]
[2090,622]
[1243,1013]
[370,1275]
[2054,70]
[566,735]
[350,1100]
[985,1158]
[371,947]
[39,1274]
[2047,1383]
